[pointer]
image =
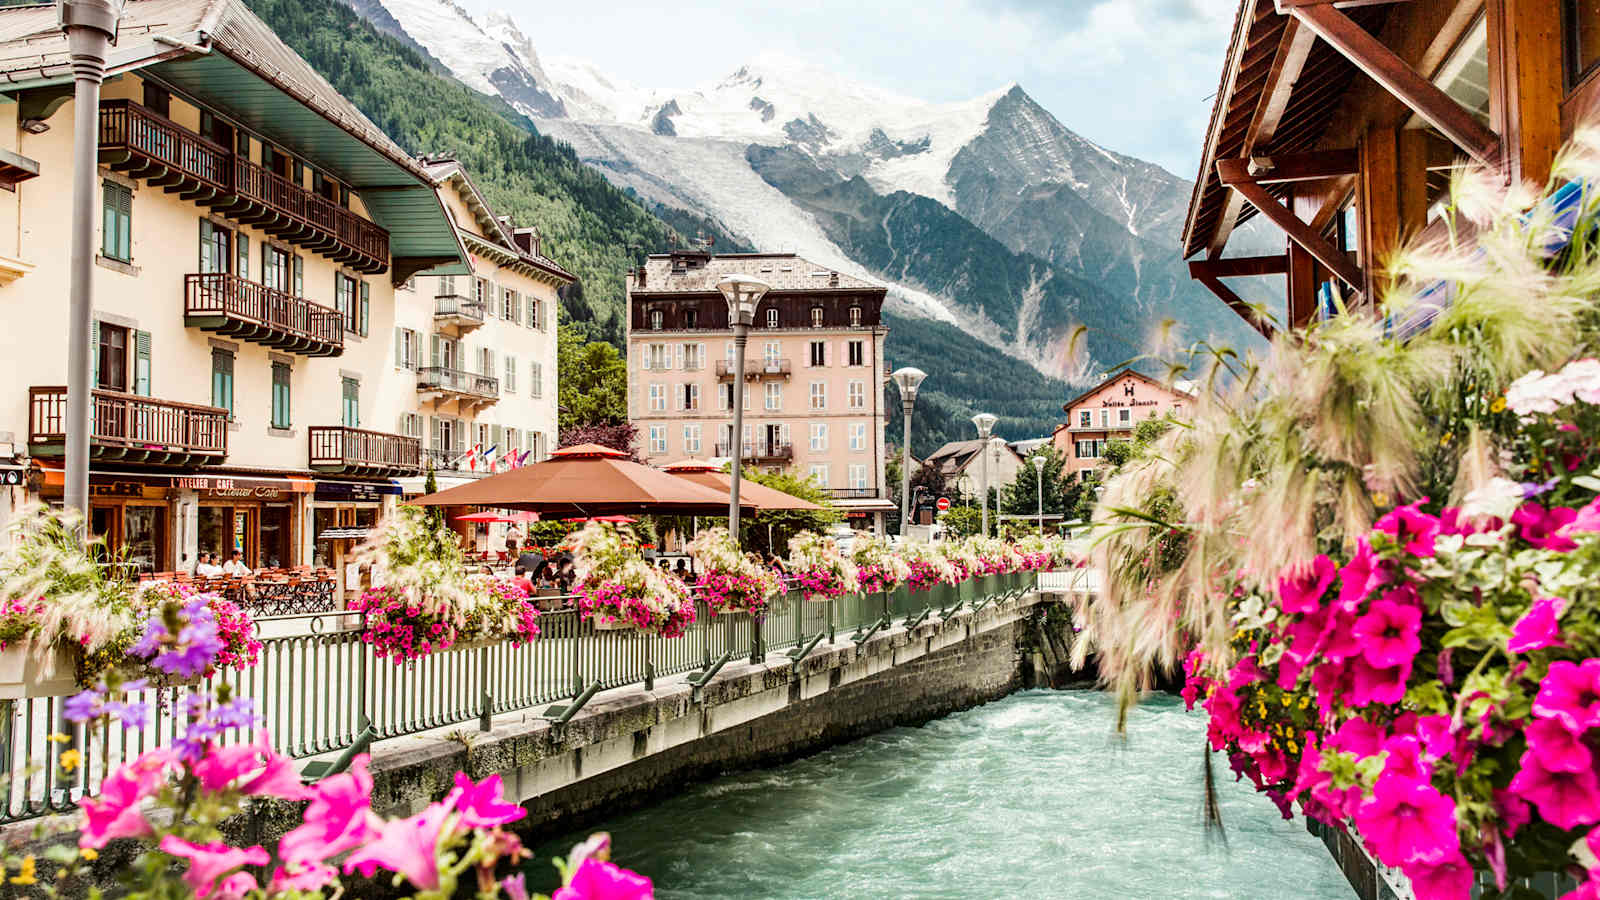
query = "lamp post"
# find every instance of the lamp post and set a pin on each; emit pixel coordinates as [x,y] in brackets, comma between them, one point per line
[1039,462]
[985,423]
[91,27]
[908,380]
[743,293]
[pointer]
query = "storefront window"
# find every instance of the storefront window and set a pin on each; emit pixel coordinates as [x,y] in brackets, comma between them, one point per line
[322,519]
[142,527]
[1582,27]
[275,537]
[215,529]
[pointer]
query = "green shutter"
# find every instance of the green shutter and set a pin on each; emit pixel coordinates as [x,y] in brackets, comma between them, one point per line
[366,306]
[299,276]
[94,353]
[141,363]
[435,353]
[243,243]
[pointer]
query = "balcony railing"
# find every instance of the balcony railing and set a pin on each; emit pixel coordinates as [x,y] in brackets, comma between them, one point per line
[352,451]
[470,385]
[459,310]
[853,493]
[146,144]
[230,305]
[759,451]
[755,368]
[130,428]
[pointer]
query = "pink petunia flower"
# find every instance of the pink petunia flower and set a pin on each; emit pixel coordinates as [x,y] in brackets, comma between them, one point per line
[409,847]
[300,877]
[1565,799]
[1514,812]
[483,805]
[1587,519]
[1407,821]
[1543,527]
[1372,684]
[1300,588]
[1557,749]
[115,813]
[1360,576]
[1389,633]
[1539,627]
[339,817]
[208,862]
[236,886]
[1571,692]
[1449,879]
[1411,527]
[598,880]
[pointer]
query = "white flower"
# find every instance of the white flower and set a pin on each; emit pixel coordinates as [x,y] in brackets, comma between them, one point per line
[1499,497]
[1537,392]
[1582,377]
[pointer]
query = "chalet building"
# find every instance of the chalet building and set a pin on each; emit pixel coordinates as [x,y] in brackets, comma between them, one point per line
[482,345]
[814,371]
[961,464]
[253,385]
[1109,411]
[1339,121]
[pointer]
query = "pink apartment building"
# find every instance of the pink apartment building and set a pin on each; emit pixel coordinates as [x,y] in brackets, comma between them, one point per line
[1108,412]
[814,372]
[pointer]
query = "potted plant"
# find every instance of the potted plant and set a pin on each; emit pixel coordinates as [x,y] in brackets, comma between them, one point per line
[879,569]
[819,568]
[618,591]
[731,581]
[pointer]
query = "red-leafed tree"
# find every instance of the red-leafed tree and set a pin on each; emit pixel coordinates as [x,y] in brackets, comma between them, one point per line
[624,437]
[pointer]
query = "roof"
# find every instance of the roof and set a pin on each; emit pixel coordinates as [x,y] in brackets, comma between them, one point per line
[253,77]
[1263,42]
[503,243]
[956,455]
[783,271]
[1177,387]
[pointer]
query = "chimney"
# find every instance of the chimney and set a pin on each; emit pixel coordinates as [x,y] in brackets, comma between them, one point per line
[640,281]
[527,240]
[833,279]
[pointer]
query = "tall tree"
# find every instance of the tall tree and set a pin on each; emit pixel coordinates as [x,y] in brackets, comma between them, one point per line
[593,381]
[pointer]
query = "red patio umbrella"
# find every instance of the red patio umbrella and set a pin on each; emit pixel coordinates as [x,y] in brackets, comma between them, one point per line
[585,481]
[750,492]
[614,520]
[486,516]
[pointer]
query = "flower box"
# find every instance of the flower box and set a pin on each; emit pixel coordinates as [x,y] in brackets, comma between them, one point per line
[603,623]
[27,670]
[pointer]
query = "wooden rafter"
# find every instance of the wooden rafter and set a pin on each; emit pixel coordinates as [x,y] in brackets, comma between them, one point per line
[1396,76]
[1236,303]
[1337,4]
[1283,167]
[1298,231]
[1240,266]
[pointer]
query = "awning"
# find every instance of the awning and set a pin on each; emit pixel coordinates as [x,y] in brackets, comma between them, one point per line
[334,534]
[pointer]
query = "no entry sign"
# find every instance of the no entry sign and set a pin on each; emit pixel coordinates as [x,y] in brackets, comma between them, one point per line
[943,504]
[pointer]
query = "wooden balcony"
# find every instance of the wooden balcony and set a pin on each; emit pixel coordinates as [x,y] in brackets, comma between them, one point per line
[230,305]
[131,428]
[146,145]
[441,384]
[755,369]
[454,311]
[352,451]
[760,452]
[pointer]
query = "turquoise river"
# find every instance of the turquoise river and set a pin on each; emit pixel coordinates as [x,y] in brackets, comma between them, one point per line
[1031,797]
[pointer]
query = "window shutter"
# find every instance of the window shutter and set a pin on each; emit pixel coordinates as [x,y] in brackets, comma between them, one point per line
[141,363]
[366,305]
[436,433]
[460,432]
[783,434]
[94,353]
[680,356]
[399,347]
[242,243]
[299,276]
[205,246]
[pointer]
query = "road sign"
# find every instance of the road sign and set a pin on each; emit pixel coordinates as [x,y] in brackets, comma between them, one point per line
[944,503]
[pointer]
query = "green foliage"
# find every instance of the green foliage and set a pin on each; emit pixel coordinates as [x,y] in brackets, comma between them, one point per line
[962,521]
[1021,496]
[592,379]
[769,531]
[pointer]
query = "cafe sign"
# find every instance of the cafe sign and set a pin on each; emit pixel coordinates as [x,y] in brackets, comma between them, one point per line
[237,488]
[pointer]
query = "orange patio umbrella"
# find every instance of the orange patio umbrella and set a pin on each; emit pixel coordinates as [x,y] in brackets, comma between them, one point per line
[584,481]
[750,492]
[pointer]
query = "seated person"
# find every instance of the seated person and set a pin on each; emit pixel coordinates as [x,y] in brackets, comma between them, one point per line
[682,569]
[207,566]
[235,565]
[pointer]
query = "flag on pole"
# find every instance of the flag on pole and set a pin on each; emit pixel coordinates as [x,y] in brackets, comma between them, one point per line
[472,456]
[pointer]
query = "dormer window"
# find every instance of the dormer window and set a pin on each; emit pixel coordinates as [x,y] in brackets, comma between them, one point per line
[816,317]
[772,317]
[655,320]
[691,318]
[855,317]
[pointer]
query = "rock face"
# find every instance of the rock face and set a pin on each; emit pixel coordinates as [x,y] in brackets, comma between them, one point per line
[986,214]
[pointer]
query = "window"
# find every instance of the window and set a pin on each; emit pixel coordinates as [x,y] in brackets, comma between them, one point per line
[819,437]
[535,308]
[858,476]
[1124,416]
[774,395]
[1089,449]
[772,318]
[216,248]
[691,397]
[222,380]
[658,397]
[656,356]
[819,395]
[511,306]
[406,348]
[111,358]
[819,353]
[858,436]
[816,317]
[771,352]
[280,395]
[691,438]
[241,252]
[658,439]
[855,317]
[691,318]
[858,353]
[536,379]
[411,425]
[353,300]
[858,394]
[485,361]
[274,268]
[725,396]
[158,100]
[511,374]
[1105,418]
[1581,27]
[351,395]
[116,222]
[656,317]
[819,474]
[694,356]
[1085,419]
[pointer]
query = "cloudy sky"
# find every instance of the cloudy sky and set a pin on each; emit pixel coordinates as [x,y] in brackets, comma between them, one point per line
[1134,75]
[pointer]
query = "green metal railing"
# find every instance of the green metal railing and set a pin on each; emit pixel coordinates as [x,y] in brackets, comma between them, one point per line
[321,690]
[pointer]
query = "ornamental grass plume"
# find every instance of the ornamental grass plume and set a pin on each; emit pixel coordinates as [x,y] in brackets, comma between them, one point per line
[422,560]
[51,570]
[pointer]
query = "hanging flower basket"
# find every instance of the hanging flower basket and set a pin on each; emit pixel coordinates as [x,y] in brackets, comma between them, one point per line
[29,670]
[732,581]
[820,571]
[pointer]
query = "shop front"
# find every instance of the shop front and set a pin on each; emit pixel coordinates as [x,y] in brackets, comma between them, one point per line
[342,511]
[259,517]
[133,517]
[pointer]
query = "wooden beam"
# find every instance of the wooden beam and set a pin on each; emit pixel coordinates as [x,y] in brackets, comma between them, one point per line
[1282,167]
[1302,234]
[1530,83]
[1397,77]
[1379,204]
[1239,266]
[1286,5]
[1302,286]
[1236,303]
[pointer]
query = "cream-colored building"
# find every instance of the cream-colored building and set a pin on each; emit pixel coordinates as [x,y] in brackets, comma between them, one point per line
[814,371]
[253,385]
[1109,411]
[483,346]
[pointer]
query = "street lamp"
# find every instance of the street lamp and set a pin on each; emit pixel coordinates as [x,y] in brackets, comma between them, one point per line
[1039,462]
[743,293]
[91,27]
[985,423]
[907,380]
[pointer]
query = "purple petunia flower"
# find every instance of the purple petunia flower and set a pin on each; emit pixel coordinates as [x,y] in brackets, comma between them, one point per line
[91,704]
[184,642]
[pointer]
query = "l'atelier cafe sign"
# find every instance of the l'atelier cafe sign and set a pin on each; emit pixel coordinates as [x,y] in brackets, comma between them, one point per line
[237,488]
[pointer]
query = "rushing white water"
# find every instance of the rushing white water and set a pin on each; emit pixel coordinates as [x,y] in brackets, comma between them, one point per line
[1031,796]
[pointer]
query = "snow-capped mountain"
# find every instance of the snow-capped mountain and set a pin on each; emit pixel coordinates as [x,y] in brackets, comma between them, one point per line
[988,214]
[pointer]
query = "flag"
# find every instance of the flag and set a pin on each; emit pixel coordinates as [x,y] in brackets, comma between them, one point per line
[490,460]
[472,456]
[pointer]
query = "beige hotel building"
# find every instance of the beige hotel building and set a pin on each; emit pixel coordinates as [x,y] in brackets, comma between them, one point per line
[814,372]
[291,314]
